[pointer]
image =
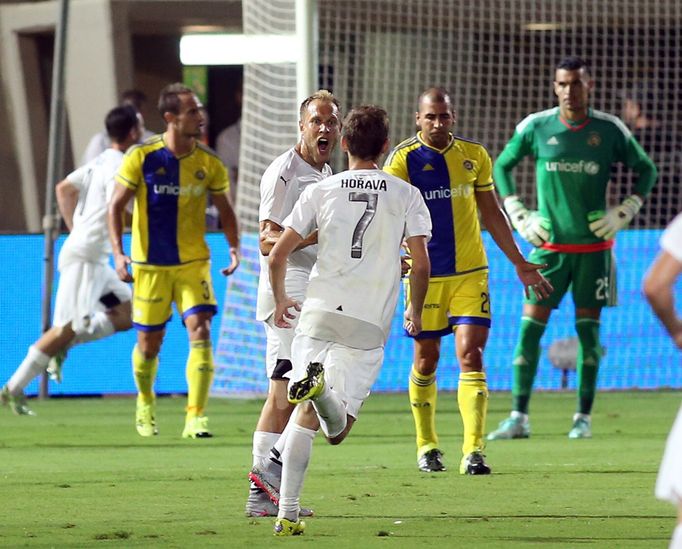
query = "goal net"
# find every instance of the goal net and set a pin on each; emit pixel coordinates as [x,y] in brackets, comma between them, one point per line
[497,58]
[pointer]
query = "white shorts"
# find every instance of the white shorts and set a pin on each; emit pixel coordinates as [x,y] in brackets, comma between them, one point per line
[85,288]
[348,371]
[278,346]
[278,340]
[669,481]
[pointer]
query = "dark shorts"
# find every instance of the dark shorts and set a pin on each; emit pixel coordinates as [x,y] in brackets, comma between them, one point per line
[591,277]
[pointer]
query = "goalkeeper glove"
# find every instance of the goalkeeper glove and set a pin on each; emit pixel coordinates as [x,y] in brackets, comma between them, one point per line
[532,227]
[606,225]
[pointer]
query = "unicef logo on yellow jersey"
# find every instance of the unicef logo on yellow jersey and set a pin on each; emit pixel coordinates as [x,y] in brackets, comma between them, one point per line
[561,166]
[459,191]
[176,190]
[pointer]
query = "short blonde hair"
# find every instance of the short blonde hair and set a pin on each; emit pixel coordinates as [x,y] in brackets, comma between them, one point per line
[319,95]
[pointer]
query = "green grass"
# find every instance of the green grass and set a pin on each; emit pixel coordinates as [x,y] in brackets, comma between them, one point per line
[78,475]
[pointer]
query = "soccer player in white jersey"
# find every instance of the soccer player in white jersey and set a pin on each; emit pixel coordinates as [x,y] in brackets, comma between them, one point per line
[659,285]
[362,216]
[281,185]
[91,302]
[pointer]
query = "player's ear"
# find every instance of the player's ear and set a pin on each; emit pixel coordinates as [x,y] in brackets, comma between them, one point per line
[168,117]
[386,146]
[344,144]
[555,87]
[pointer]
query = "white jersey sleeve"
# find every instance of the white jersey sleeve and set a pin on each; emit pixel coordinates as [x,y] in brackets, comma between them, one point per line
[671,240]
[281,185]
[362,217]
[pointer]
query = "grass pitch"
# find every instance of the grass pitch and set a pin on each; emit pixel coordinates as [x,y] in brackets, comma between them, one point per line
[78,475]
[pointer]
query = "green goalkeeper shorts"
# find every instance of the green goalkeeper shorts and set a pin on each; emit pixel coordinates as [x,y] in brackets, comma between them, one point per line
[591,277]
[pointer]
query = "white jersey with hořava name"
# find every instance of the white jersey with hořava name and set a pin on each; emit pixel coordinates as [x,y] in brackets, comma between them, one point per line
[281,185]
[362,217]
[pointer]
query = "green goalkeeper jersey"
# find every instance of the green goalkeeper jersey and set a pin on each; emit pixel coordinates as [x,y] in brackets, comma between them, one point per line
[572,167]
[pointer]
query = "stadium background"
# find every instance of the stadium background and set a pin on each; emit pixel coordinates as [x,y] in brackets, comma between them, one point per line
[496,57]
[639,354]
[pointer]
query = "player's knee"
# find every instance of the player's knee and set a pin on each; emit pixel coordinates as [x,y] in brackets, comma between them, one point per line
[122,323]
[149,348]
[64,334]
[426,362]
[200,333]
[121,317]
[471,358]
[338,439]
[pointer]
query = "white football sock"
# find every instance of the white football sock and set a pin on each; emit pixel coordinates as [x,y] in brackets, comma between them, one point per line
[262,442]
[100,327]
[295,459]
[34,364]
[331,411]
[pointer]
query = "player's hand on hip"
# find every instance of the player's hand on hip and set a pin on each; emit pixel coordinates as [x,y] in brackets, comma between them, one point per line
[533,280]
[234,262]
[283,312]
[121,263]
[606,224]
[533,227]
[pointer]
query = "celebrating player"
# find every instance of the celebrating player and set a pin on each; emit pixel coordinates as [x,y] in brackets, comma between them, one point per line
[92,302]
[454,176]
[169,176]
[574,147]
[281,185]
[362,216]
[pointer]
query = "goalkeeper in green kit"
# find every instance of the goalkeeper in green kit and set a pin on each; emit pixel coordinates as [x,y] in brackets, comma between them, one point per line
[574,147]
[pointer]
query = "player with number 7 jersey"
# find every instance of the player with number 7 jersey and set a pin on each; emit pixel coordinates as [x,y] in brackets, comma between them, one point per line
[350,300]
[362,216]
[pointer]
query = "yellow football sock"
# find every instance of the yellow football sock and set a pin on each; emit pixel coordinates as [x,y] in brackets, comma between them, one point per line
[472,397]
[199,376]
[144,372]
[423,391]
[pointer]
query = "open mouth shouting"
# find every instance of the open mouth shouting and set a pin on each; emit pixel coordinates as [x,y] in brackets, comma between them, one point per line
[323,146]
